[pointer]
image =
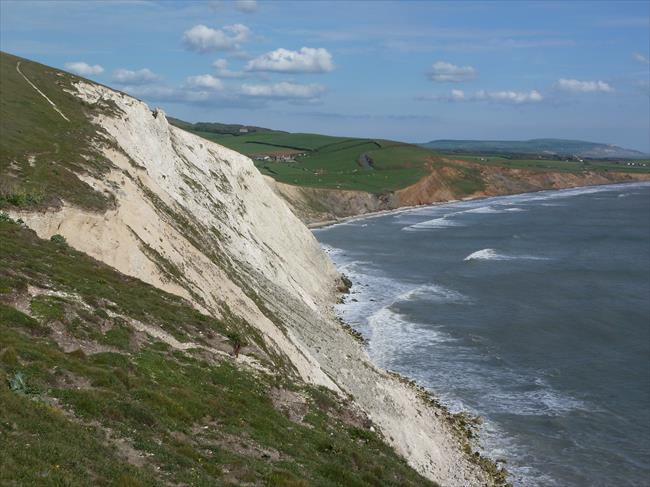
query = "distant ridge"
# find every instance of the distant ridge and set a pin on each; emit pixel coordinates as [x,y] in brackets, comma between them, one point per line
[219,128]
[559,147]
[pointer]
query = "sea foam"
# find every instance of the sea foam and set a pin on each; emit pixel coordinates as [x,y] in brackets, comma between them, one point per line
[491,254]
[443,222]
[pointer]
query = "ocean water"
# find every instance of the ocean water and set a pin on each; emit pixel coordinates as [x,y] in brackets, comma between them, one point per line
[532,311]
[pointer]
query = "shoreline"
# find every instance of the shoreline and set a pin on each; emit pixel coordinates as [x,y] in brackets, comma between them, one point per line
[464,420]
[373,214]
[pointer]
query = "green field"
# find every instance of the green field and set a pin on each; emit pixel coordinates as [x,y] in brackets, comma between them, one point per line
[333,162]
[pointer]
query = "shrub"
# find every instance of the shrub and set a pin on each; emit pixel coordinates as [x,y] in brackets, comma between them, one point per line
[58,239]
[237,341]
[18,384]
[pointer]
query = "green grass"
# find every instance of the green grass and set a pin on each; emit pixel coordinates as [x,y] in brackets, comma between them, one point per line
[332,162]
[262,143]
[184,419]
[40,152]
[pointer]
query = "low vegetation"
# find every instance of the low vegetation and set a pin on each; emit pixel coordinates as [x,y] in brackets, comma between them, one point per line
[85,395]
[41,153]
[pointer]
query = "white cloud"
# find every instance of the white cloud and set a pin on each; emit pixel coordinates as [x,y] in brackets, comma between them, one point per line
[139,77]
[221,67]
[504,96]
[220,64]
[578,86]
[84,69]
[457,95]
[444,72]
[283,90]
[170,94]
[201,38]
[204,81]
[517,97]
[247,6]
[306,60]
[641,58]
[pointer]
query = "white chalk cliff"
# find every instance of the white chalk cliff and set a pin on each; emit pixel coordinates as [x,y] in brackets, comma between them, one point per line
[187,204]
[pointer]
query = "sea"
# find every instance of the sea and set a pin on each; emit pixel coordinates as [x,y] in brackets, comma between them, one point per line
[531,311]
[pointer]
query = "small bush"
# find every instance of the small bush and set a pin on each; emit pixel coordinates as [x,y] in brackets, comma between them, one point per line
[18,384]
[58,239]
[237,341]
[22,198]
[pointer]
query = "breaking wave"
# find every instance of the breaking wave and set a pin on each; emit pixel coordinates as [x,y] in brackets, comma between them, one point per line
[443,222]
[491,254]
[432,292]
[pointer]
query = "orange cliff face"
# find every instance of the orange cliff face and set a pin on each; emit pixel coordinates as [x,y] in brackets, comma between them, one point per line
[448,180]
[439,186]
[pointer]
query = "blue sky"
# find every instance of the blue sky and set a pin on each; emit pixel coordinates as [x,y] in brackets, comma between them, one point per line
[412,71]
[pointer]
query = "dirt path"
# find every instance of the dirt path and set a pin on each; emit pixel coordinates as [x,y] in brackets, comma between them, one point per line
[41,93]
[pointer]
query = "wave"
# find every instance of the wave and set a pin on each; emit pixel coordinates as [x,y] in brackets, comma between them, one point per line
[483,210]
[435,223]
[391,335]
[491,210]
[486,254]
[491,254]
[432,292]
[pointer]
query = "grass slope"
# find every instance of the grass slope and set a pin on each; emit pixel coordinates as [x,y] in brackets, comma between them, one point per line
[131,411]
[332,162]
[40,152]
[322,161]
[218,128]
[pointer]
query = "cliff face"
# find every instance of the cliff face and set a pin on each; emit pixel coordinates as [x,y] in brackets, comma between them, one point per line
[316,205]
[197,220]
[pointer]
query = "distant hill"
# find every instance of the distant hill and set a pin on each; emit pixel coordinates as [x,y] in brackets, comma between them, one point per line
[219,128]
[560,147]
[324,161]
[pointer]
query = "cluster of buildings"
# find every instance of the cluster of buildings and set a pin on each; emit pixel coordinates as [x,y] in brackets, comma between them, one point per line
[279,157]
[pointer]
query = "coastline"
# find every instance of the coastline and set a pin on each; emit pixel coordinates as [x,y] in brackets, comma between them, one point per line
[462,422]
[373,214]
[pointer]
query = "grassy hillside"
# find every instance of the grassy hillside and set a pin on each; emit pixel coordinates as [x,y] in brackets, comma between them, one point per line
[372,165]
[106,379]
[86,396]
[219,128]
[381,166]
[41,153]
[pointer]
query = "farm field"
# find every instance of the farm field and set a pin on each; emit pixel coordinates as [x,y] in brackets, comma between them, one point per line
[373,165]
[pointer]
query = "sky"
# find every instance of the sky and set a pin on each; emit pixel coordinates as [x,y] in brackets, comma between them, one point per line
[413,70]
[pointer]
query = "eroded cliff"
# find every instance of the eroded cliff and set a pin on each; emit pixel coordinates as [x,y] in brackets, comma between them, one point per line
[198,221]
